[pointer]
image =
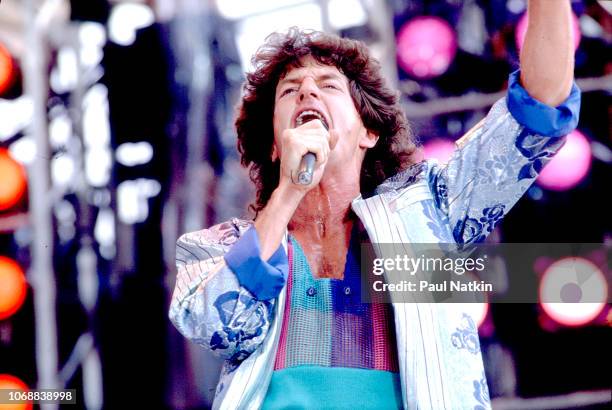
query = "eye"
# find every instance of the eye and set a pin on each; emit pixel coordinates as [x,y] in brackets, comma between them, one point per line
[332,86]
[287,91]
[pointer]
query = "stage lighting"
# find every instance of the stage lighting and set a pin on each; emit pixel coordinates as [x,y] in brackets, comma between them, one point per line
[10,382]
[132,154]
[440,149]
[125,19]
[13,181]
[13,287]
[569,166]
[426,46]
[521,30]
[7,69]
[478,311]
[579,285]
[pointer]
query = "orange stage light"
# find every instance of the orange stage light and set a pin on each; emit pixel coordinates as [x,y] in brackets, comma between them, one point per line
[13,287]
[7,69]
[13,181]
[8,381]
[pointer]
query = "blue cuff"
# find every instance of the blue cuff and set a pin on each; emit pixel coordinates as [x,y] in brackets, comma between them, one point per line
[264,279]
[538,117]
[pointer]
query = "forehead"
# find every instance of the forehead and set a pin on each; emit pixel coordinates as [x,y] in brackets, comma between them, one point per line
[308,66]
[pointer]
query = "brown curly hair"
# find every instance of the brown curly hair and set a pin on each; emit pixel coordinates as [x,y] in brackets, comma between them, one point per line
[377,105]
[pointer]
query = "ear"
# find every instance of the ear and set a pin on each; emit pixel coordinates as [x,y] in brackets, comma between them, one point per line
[274,152]
[368,140]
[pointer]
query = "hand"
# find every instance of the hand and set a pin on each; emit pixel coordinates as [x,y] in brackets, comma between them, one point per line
[296,142]
[271,222]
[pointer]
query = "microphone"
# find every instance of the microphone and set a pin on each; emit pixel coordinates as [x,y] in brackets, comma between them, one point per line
[304,176]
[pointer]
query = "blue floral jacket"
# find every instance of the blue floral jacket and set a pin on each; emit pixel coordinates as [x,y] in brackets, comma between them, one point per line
[239,316]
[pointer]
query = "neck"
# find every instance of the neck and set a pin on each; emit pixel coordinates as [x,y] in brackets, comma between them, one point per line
[322,225]
[325,207]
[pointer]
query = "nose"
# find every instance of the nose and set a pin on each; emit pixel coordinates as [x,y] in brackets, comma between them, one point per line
[308,88]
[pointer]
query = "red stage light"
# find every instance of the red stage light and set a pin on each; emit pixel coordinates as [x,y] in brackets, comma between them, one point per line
[13,181]
[8,381]
[426,46]
[7,69]
[13,287]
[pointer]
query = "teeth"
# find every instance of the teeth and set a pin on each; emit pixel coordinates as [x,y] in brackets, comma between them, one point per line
[308,113]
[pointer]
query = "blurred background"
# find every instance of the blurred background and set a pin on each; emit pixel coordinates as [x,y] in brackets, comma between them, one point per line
[116,136]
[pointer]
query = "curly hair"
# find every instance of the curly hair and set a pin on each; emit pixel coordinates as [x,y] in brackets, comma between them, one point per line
[377,105]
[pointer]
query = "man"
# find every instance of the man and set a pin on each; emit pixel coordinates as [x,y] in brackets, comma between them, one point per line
[276,297]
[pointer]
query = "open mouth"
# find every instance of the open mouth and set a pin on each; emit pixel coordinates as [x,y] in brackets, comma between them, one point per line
[310,115]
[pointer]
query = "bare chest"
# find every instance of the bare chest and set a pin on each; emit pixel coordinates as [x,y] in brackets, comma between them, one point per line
[326,254]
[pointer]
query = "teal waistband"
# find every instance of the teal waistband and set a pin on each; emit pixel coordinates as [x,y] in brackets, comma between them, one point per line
[318,387]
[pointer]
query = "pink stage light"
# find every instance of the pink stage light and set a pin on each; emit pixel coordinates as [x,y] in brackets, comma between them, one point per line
[479,312]
[521,29]
[426,46]
[440,149]
[569,166]
[573,291]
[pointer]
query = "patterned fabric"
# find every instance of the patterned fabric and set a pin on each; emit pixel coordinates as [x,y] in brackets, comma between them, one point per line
[326,324]
[264,279]
[240,322]
[438,354]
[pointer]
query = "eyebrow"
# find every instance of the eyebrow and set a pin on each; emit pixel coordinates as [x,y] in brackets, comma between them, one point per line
[322,77]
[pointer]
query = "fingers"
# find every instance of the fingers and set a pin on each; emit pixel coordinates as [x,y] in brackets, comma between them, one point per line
[316,129]
[297,142]
[301,144]
[317,126]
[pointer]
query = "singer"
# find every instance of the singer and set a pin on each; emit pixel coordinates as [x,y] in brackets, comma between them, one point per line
[279,297]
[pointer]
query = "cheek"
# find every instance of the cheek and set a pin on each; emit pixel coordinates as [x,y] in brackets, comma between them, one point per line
[281,119]
[275,119]
[353,120]
[356,131]
[277,125]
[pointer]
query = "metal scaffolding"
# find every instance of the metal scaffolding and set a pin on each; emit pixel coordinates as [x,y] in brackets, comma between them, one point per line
[42,197]
[42,276]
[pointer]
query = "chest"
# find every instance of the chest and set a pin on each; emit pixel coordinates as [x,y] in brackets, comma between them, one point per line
[325,248]
[326,259]
[327,324]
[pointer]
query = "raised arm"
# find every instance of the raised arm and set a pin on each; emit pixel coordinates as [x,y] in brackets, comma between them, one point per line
[501,157]
[547,56]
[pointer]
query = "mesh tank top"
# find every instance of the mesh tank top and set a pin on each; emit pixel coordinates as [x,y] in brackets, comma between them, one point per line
[326,324]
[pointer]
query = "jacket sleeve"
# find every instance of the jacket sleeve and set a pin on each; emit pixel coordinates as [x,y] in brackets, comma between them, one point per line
[224,294]
[499,159]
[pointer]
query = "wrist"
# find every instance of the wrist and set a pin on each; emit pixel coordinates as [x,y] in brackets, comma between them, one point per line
[288,194]
[271,223]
